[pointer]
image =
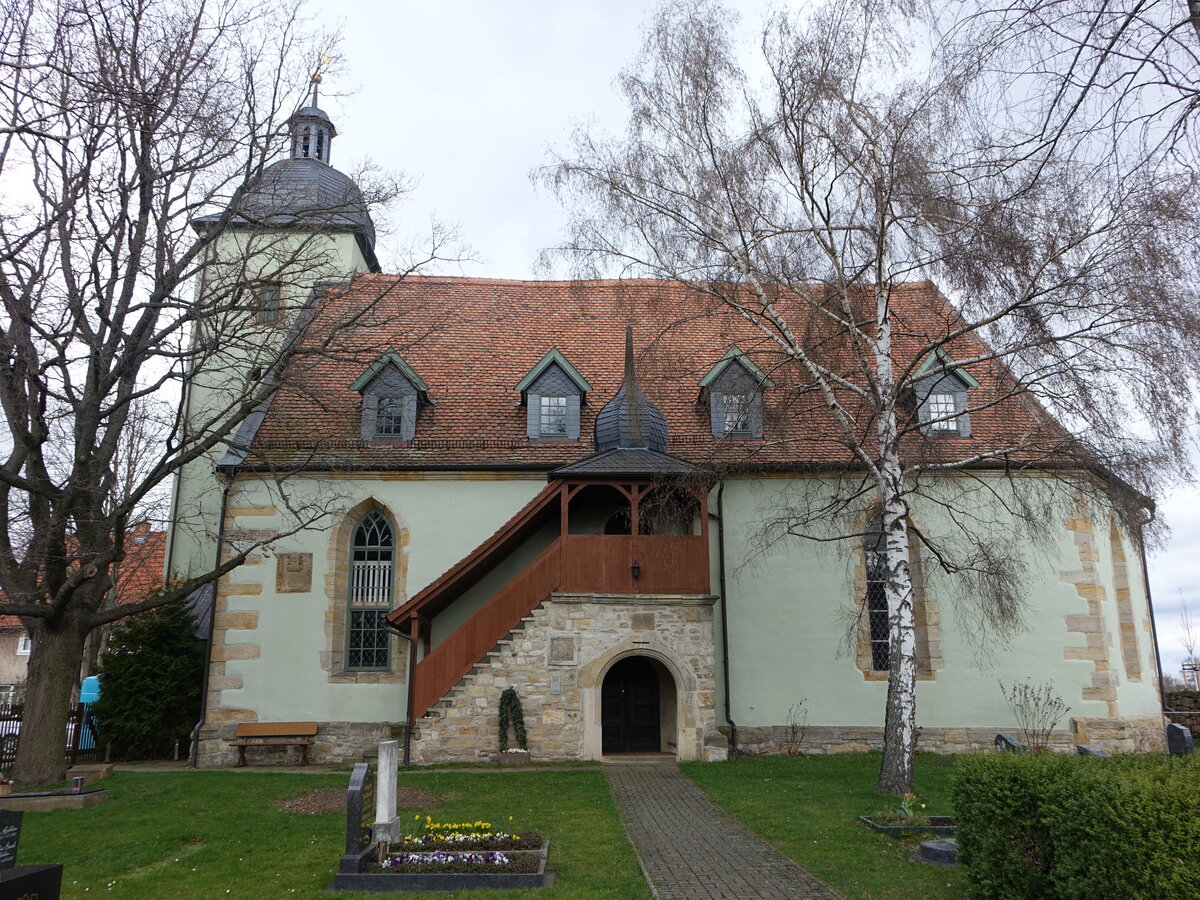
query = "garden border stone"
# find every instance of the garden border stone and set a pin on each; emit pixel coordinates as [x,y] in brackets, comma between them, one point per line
[898,830]
[408,882]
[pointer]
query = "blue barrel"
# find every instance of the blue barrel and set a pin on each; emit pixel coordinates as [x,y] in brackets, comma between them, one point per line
[90,691]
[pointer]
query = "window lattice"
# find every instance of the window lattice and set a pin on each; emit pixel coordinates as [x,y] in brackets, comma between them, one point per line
[554,415]
[942,412]
[737,413]
[877,604]
[389,417]
[371,575]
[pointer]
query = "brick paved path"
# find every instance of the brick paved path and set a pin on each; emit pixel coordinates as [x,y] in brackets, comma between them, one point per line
[690,850]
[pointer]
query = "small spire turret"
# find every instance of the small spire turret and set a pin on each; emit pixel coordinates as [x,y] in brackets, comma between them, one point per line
[311,129]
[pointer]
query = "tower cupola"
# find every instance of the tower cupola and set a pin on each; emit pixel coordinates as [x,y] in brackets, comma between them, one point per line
[311,130]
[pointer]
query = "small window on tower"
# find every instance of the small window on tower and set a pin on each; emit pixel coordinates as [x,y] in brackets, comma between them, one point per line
[266,303]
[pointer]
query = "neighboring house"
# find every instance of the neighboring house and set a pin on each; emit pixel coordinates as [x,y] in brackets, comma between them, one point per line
[138,574]
[522,492]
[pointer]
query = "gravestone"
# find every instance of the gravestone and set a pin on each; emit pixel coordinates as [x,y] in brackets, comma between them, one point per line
[10,836]
[32,882]
[1084,750]
[359,808]
[1006,743]
[1179,741]
[386,825]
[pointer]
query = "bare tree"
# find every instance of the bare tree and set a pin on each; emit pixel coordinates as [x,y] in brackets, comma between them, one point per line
[135,138]
[1187,636]
[877,155]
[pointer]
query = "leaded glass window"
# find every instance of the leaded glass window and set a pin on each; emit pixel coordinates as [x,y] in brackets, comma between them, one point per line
[371,575]
[877,604]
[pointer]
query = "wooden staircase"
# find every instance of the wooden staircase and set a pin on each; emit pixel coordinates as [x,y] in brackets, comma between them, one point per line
[447,664]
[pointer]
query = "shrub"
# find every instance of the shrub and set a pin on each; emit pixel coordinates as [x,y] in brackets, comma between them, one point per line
[151,674]
[1043,825]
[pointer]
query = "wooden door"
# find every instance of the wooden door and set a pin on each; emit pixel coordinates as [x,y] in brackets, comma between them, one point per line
[629,708]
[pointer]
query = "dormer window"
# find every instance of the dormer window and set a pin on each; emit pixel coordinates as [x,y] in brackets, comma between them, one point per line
[390,415]
[738,409]
[392,396]
[943,412]
[733,391]
[553,416]
[940,389]
[553,393]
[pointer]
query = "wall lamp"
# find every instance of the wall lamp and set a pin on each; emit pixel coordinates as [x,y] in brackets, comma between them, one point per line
[636,569]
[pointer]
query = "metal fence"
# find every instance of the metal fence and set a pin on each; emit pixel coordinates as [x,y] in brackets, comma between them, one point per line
[81,737]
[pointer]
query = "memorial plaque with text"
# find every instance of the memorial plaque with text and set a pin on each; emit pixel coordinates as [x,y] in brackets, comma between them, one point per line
[10,835]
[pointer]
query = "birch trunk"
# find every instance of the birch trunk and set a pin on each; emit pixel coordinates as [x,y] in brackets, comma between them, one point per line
[900,718]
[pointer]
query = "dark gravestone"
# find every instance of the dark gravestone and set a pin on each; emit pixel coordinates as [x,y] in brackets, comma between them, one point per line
[1006,743]
[360,815]
[40,882]
[1083,750]
[10,836]
[1179,741]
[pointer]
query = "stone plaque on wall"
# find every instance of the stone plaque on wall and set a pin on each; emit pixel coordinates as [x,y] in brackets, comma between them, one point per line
[293,573]
[562,651]
[553,717]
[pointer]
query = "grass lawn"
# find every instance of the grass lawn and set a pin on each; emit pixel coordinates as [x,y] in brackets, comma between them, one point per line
[200,835]
[808,807]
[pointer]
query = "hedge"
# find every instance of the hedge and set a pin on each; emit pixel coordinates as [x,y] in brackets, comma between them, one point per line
[1048,825]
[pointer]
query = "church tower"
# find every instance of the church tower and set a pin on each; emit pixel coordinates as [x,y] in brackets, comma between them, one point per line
[298,227]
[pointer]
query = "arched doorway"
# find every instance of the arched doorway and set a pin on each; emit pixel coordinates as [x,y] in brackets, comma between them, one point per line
[637,707]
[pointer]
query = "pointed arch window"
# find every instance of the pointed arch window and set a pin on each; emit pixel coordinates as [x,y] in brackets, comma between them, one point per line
[372,573]
[874,653]
[875,558]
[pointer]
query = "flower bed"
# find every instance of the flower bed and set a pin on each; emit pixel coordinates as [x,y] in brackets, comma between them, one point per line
[449,856]
[469,840]
[460,862]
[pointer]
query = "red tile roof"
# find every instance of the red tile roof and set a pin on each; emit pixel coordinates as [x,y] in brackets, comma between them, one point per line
[473,340]
[140,572]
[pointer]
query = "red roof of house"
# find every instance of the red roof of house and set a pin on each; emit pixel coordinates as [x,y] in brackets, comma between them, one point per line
[473,340]
[140,572]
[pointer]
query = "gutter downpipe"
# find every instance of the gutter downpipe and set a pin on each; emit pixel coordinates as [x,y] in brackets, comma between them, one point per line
[227,474]
[720,517]
[412,668]
[1162,694]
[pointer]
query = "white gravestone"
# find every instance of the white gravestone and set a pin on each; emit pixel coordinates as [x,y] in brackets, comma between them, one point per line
[385,791]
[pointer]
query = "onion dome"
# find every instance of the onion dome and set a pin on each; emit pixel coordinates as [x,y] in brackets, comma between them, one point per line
[629,420]
[305,190]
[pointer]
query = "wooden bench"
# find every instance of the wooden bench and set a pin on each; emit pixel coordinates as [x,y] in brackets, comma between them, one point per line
[259,734]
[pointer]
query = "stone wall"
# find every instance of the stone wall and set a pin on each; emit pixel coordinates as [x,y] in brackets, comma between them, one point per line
[557,660]
[335,743]
[1130,734]
[1186,705]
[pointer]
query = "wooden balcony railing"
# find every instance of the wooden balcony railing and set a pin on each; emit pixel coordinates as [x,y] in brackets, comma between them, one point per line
[603,564]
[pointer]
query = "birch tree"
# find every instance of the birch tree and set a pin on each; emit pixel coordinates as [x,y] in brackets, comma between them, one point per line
[874,152]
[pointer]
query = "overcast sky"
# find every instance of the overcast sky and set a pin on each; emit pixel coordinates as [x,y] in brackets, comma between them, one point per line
[468,96]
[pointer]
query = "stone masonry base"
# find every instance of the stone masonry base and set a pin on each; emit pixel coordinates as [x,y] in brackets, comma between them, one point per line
[1128,734]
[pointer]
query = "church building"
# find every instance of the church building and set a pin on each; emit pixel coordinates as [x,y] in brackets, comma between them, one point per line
[581,489]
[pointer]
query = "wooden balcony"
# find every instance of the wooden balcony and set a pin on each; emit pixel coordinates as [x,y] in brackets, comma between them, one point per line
[604,564]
